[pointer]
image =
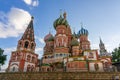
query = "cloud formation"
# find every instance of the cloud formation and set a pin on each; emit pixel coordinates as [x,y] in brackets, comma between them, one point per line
[13,23]
[33,3]
[41,40]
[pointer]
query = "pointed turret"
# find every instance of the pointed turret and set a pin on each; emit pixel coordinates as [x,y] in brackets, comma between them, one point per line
[83,37]
[27,41]
[29,32]
[103,51]
[101,42]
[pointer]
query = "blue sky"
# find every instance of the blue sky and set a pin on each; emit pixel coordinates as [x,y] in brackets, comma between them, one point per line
[100,17]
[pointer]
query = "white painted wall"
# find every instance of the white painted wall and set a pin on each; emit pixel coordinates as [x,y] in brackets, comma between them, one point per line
[92,68]
[86,53]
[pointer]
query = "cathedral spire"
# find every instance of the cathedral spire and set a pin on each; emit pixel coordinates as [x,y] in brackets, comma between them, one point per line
[28,41]
[101,42]
[64,14]
[103,51]
[81,25]
[29,32]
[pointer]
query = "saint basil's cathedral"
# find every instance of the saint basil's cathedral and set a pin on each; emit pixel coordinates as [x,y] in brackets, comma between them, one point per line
[64,52]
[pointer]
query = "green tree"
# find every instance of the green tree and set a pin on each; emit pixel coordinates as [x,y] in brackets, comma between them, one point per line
[2,58]
[116,55]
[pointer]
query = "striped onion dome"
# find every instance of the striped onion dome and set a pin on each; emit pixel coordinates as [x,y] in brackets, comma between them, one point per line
[47,37]
[74,42]
[60,21]
[83,31]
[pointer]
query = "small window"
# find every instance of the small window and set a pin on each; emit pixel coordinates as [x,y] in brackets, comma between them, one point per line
[56,55]
[26,44]
[60,54]
[20,44]
[32,45]
[13,69]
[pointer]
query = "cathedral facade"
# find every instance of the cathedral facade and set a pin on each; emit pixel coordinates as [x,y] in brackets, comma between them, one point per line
[71,52]
[65,51]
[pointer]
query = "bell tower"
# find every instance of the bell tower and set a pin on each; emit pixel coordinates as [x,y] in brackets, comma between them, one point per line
[27,41]
[83,37]
[103,51]
[24,58]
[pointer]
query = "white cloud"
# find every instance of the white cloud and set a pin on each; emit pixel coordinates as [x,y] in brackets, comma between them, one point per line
[13,23]
[41,40]
[112,42]
[28,2]
[39,51]
[32,2]
[7,51]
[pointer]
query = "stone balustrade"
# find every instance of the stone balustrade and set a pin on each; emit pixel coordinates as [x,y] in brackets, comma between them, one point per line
[59,76]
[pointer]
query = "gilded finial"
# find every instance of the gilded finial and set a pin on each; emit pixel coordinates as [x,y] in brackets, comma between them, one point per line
[32,17]
[81,25]
[64,14]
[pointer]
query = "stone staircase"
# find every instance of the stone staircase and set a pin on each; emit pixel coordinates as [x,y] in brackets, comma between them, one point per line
[59,76]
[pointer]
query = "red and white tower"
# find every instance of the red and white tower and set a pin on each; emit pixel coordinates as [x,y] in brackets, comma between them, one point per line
[83,37]
[24,58]
[62,37]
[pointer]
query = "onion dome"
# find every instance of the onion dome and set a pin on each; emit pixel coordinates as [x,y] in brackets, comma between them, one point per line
[60,21]
[74,35]
[47,37]
[74,42]
[83,31]
[51,38]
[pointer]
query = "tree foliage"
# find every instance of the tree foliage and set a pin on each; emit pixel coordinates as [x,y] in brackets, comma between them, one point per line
[2,57]
[116,55]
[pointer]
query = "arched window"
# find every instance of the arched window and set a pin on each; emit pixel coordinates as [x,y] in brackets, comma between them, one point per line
[32,68]
[20,44]
[48,69]
[33,59]
[56,55]
[28,68]
[96,66]
[28,57]
[32,45]
[26,44]
[13,69]
[60,55]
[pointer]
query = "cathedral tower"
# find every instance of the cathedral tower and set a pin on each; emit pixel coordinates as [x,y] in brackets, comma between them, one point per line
[83,37]
[103,51]
[75,45]
[61,37]
[24,58]
[27,42]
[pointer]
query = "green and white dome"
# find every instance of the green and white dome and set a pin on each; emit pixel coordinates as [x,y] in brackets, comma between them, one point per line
[60,21]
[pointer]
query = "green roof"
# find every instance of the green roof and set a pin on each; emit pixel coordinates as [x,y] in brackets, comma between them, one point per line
[74,42]
[60,21]
[45,64]
[51,38]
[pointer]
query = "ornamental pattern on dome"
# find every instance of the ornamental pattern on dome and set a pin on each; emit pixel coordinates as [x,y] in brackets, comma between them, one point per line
[74,41]
[83,31]
[60,21]
[48,37]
